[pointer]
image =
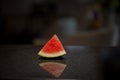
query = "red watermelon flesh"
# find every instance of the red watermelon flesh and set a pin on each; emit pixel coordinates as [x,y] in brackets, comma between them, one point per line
[54,68]
[53,48]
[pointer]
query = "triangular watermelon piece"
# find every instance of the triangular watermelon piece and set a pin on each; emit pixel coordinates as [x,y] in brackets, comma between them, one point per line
[53,48]
[54,68]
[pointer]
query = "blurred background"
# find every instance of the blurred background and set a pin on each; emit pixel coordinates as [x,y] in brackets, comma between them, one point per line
[76,22]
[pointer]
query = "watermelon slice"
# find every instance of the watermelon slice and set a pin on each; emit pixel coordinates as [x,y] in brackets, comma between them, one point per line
[53,48]
[54,68]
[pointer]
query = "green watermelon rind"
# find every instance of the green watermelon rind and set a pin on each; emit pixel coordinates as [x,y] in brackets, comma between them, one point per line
[51,55]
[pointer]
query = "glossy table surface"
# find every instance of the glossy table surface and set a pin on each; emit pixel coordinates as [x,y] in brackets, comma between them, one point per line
[81,62]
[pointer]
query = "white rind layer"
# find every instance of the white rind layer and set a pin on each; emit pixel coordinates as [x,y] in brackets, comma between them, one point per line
[43,54]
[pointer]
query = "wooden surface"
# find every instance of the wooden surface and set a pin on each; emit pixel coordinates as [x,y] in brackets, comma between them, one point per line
[82,63]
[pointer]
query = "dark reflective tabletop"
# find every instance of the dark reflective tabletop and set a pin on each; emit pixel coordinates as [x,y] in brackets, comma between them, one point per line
[80,62]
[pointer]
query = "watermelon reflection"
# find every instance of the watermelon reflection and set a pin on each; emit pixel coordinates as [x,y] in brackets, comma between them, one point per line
[54,68]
